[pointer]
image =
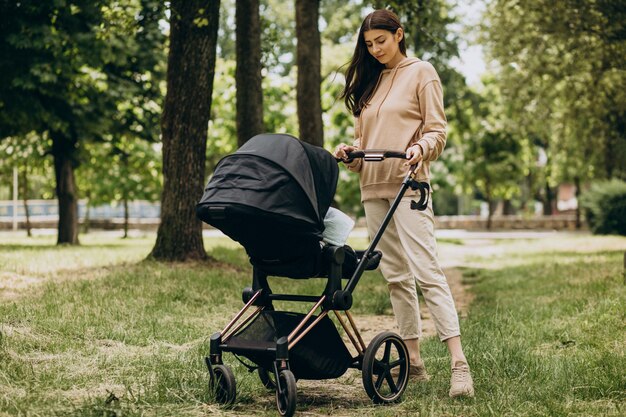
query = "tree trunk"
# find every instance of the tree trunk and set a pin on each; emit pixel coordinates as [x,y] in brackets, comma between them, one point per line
[29,232]
[248,72]
[63,150]
[548,206]
[528,197]
[578,194]
[87,219]
[125,217]
[507,207]
[490,205]
[609,148]
[309,72]
[191,68]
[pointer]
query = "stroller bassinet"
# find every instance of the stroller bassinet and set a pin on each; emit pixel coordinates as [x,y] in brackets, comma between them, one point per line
[271,196]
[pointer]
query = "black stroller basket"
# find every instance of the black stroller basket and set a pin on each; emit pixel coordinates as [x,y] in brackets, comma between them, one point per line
[271,196]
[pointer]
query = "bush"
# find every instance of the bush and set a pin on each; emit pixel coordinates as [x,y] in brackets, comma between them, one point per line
[605,207]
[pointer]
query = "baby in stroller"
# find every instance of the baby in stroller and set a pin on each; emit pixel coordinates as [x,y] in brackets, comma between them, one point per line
[337,228]
[273,196]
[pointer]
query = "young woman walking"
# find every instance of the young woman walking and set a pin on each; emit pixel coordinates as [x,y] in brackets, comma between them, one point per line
[398,105]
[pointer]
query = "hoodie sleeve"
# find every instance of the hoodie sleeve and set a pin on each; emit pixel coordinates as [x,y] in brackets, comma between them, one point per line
[355,165]
[433,138]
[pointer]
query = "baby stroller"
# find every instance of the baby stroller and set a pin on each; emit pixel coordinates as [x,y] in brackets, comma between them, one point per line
[271,196]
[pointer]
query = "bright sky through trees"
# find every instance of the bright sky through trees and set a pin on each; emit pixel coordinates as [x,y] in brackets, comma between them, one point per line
[471,62]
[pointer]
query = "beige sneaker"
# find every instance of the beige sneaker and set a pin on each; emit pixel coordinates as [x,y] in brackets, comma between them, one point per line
[416,372]
[461,383]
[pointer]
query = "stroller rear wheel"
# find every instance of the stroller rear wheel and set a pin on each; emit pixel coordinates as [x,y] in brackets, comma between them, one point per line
[286,393]
[267,378]
[386,352]
[222,383]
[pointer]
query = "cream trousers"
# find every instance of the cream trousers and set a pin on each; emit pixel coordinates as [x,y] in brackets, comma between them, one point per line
[409,254]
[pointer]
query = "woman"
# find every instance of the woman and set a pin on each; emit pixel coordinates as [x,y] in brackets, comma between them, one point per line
[398,105]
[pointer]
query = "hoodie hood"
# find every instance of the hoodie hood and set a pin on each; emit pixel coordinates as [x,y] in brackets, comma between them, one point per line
[402,64]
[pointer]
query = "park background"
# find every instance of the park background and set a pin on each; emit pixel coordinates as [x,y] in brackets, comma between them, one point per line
[535,101]
[114,105]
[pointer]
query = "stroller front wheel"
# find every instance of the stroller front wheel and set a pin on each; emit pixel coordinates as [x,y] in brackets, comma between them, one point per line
[385,368]
[286,396]
[223,385]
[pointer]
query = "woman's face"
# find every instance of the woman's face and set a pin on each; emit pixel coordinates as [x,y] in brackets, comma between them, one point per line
[384,46]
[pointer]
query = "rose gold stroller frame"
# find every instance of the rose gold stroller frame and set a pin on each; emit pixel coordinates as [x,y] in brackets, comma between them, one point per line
[260,296]
[298,333]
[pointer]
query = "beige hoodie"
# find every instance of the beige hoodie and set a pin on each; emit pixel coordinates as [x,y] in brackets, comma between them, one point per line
[406,108]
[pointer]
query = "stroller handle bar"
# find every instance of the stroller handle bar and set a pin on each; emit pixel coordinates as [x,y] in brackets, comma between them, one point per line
[374,155]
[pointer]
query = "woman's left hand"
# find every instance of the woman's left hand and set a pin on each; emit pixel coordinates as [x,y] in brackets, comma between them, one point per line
[414,155]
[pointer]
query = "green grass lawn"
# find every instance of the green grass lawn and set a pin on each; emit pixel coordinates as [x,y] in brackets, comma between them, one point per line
[96,331]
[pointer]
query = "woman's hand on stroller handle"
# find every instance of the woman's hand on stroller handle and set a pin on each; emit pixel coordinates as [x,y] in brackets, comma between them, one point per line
[341,152]
[414,155]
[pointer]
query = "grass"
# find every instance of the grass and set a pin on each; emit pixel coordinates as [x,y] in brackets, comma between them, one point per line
[97,331]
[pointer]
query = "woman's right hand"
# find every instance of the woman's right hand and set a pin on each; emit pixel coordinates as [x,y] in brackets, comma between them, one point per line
[342,150]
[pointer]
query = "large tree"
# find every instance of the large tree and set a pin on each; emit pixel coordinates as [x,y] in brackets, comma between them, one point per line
[190,73]
[248,72]
[309,52]
[65,67]
[49,54]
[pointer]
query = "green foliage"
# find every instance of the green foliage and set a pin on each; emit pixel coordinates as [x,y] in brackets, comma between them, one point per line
[278,34]
[222,138]
[341,22]
[493,164]
[563,74]
[490,158]
[279,113]
[94,72]
[605,207]
[125,171]
[49,65]
[338,122]
[226,48]
[35,171]
[85,70]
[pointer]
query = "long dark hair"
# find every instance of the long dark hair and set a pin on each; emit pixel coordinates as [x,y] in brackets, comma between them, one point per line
[363,71]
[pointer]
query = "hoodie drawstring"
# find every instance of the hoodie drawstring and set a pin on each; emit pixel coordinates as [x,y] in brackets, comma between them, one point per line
[393,76]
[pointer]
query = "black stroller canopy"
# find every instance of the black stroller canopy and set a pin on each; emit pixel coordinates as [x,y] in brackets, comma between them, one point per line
[257,173]
[313,168]
[272,196]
